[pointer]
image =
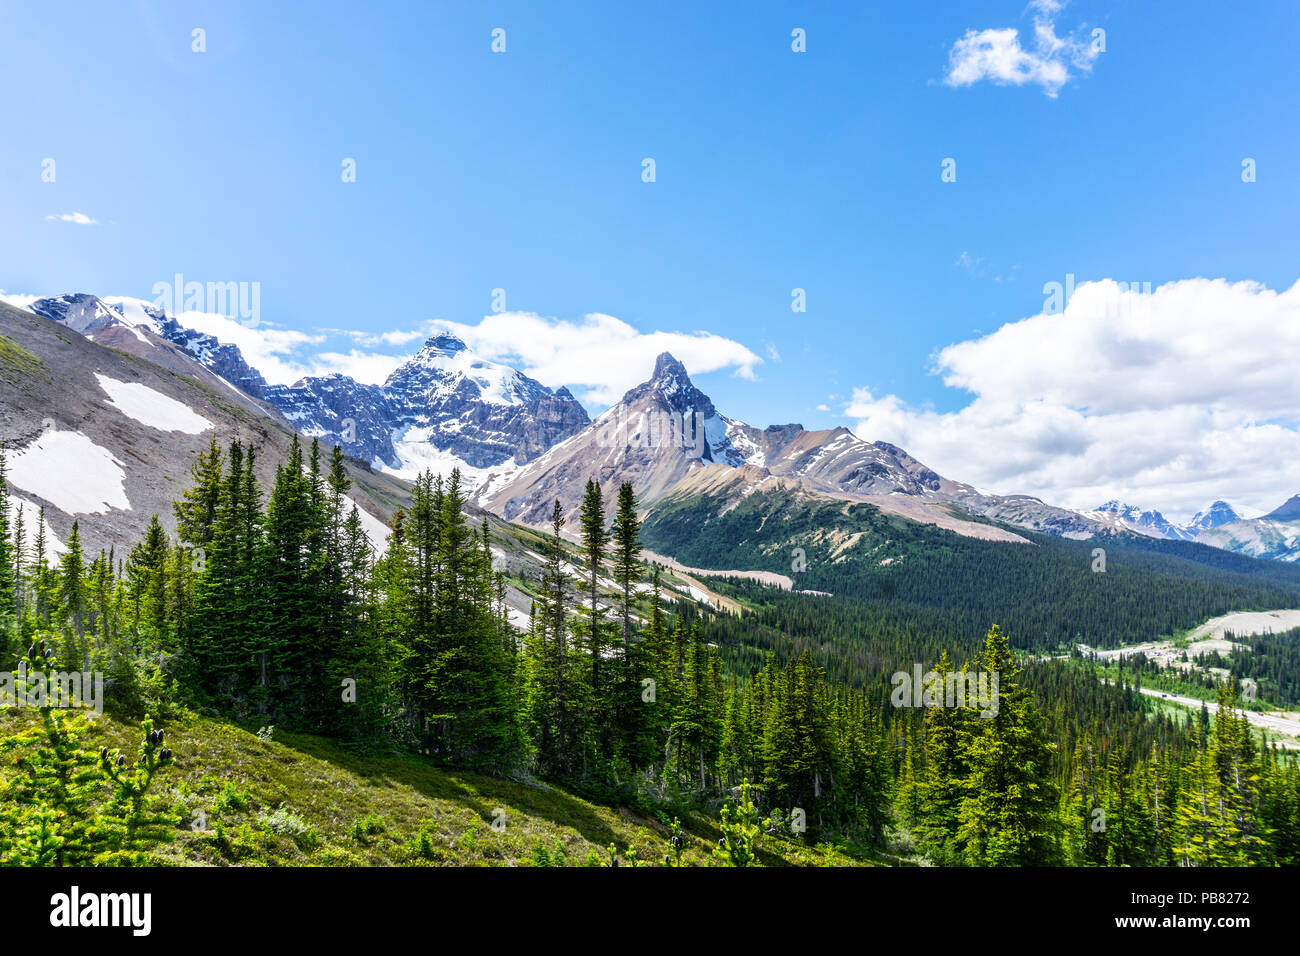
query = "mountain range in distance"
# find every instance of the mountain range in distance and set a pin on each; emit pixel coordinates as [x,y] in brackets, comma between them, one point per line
[521,445]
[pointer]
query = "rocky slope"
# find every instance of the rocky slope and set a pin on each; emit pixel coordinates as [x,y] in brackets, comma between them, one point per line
[101,435]
[667,437]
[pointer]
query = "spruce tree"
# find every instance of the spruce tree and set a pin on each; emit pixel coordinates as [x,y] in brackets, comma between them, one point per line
[1009,814]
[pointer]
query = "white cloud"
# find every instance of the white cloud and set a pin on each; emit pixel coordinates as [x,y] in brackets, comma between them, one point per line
[284,356]
[371,368]
[601,356]
[79,218]
[18,300]
[1167,399]
[396,337]
[997,55]
[277,353]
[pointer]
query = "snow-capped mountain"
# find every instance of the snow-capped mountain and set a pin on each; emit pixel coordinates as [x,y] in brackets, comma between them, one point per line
[521,445]
[1115,515]
[110,320]
[445,407]
[1275,536]
[98,433]
[1220,512]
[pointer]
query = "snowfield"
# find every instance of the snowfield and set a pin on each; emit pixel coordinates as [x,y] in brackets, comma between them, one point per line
[375,529]
[31,515]
[417,454]
[150,407]
[71,472]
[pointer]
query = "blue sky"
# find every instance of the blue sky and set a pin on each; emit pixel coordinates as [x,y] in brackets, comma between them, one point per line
[775,170]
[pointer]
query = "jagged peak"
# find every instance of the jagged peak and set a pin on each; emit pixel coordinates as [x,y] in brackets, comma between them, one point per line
[446,342]
[669,368]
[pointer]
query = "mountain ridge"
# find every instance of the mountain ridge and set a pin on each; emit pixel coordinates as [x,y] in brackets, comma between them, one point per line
[443,402]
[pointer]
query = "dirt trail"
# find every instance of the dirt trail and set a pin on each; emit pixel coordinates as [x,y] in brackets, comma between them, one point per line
[762,577]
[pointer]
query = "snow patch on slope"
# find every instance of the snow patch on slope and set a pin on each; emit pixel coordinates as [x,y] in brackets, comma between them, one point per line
[417,454]
[31,516]
[375,529]
[150,407]
[71,472]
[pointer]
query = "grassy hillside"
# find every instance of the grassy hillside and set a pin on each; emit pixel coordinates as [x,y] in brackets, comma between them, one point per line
[300,800]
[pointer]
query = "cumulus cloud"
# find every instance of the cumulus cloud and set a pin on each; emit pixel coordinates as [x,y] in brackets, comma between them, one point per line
[371,368]
[279,354]
[600,355]
[1167,399]
[19,300]
[77,218]
[997,54]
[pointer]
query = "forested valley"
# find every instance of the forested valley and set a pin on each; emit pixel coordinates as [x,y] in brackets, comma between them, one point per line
[269,609]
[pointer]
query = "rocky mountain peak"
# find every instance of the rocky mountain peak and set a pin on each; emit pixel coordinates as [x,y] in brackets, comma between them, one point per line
[1216,514]
[444,403]
[669,369]
[445,342]
[670,387]
[1289,511]
[79,311]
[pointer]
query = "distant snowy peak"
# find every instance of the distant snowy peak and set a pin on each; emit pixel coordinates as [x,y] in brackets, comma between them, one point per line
[1218,513]
[444,407]
[1118,515]
[83,313]
[1127,517]
[445,366]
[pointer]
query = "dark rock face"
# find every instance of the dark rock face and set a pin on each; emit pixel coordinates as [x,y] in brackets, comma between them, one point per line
[341,411]
[1288,511]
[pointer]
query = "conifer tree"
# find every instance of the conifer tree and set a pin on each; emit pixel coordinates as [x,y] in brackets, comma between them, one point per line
[1008,816]
[627,550]
[146,573]
[8,576]
[595,539]
[947,733]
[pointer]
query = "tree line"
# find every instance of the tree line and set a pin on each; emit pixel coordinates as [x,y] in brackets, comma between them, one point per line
[273,608]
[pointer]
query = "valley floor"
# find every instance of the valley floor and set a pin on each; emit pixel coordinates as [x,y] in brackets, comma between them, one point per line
[1283,725]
